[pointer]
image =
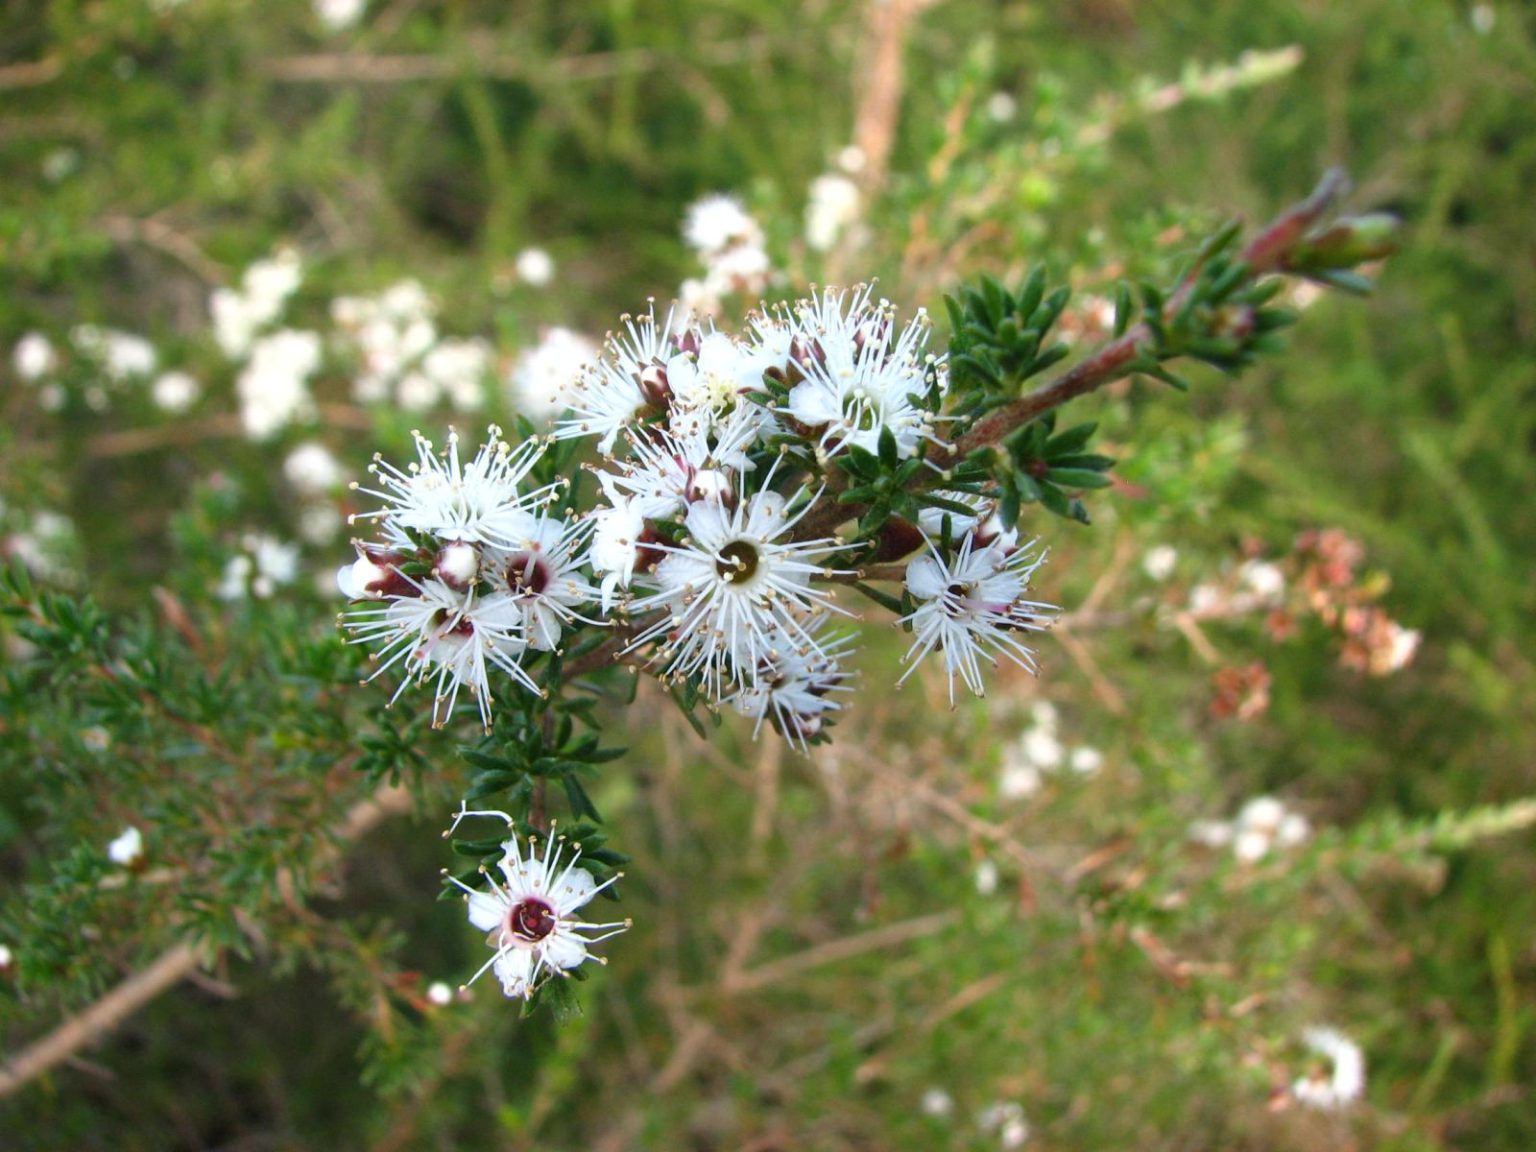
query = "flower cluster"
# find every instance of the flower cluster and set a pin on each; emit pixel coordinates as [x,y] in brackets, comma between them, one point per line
[472,573]
[713,451]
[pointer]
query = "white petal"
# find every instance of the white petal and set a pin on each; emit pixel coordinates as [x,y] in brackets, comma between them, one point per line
[513,968]
[563,950]
[486,911]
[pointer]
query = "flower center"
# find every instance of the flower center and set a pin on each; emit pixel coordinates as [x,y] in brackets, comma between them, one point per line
[736,562]
[532,920]
[527,575]
[957,599]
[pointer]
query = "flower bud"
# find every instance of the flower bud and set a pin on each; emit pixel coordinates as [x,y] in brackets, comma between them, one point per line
[458,565]
[1348,242]
[374,575]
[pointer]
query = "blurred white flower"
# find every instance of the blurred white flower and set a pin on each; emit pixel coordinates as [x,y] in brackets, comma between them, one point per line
[1347,1081]
[1483,16]
[535,266]
[1263,579]
[833,205]
[339,15]
[273,387]
[986,877]
[1086,760]
[128,849]
[439,993]
[320,524]
[7,958]
[175,391]
[543,376]
[1002,107]
[122,355]
[34,356]
[718,222]
[312,469]
[937,1102]
[852,159]
[1006,1120]
[1159,562]
[60,164]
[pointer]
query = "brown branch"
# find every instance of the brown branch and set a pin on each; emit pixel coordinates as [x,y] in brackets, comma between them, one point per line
[1265,253]
[483,60]
[886,25]
[170,968]
[31,73]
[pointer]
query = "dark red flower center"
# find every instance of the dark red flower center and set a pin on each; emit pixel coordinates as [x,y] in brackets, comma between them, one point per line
[527,574]
[532,920]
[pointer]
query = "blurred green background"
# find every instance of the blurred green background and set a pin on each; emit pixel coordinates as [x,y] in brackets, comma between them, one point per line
[893,943]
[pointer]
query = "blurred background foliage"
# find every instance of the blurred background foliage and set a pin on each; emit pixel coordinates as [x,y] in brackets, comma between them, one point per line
[887,944]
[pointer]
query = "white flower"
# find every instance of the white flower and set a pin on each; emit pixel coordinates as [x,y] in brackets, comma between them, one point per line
[320,523]
[128,849]
[986,877]
[439,993]
[459,368]
[121,354]
[1006,1119]
[1262,813]
[544,375]
[1264,580]
[1347,1082]
[535,266]
[733,590]
[175,391]
[539,571]
[1159,562]
[7,958]
[937,1102]
[1086,760]
[833,205]
[532,914]
[794,683]
[269,283]
[273,388]
[630,378]
[1002,107]
[1042,749]
[971,607]
[312,469]
[1019,777]
[442,635]
[478,502]
[339,15]
[619,534]
[1211,833]
[716,223]
[34,356]
[859,372]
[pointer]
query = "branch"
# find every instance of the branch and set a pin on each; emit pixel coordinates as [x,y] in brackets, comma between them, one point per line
[1268,252]
[1265,253]
[172,966]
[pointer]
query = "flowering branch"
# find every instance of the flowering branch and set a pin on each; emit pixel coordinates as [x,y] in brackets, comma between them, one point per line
[744,479]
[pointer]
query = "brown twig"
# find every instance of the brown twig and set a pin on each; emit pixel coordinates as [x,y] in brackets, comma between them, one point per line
[1266,253]
[169,969]
[886,24]
[484,60]
[31,73]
